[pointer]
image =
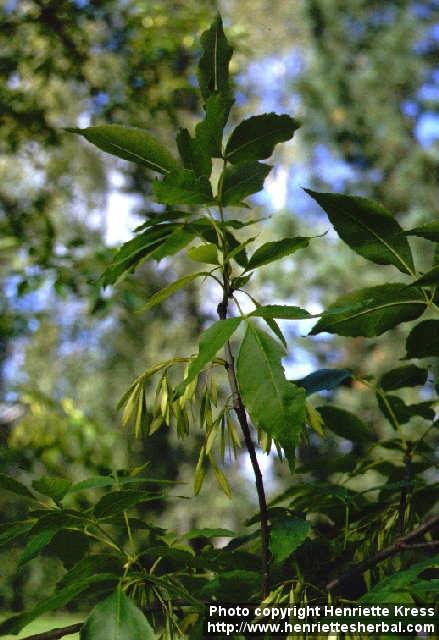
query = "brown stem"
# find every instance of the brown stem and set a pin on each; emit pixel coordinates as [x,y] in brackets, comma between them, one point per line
[55,634]
[242,419]
[402,544]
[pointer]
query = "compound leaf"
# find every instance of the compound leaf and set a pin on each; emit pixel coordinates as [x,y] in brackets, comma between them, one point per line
[242,180]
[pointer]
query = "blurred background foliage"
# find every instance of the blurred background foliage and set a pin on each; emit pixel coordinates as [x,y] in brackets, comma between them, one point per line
[362,77]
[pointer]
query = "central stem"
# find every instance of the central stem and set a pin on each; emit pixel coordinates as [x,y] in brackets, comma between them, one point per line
[242,419]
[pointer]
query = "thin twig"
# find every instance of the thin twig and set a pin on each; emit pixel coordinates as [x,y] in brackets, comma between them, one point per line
[402,544]
[55,634]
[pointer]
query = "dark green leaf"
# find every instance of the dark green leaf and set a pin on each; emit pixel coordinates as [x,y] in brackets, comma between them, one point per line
[130,143]
[431,278]
[324,380]
[408,376]
[118,501]
[274,404]
[136,250]
[209,533]
[92,483]
[386,589]
[92,565]
[13,531]
[397,412]
[423,340]
[35,545]
[272,324]
[10,484]
[118,618]
[193,154]
[280,311]
[183,186]
[211,342]
[256,137]
[346,424]
[179,239]
[56,601]
[69,547]
[368,228]
[271,251]
[286,536]
[170,289]
[209,132]
[371,311]
[242,180]
[429,231]
[55,488]
[213,69]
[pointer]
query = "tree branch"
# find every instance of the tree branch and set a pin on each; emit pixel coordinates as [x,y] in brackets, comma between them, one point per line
[242,419]
[402,544]
[55,634]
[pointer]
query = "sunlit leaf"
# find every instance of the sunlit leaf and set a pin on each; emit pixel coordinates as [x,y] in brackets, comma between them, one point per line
[286,536]
[274,404]
[211,342]
[117,618]
[281,312]
[170,289]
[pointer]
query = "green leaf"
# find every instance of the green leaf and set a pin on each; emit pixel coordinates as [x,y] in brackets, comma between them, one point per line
[10,484]
[423,340]
[408,376]
[55,488]
[208,533]
[56,601]
[324,380]
[280,311]
[368,228]
[209,132]
[271,251]
[286,536]
[256,137]
[431,278]
[275,405]
[179,239]
[206,253]
[213,68]
[116,618]
[183,186]
[69,547]
[138,249]
[386,589]
[371,311]
[211,342]
[118,501]
[272,324]
[36,544]
[429,231]
[397,412]
[170,289]
[92,483]
[242,180]
[131,144]
[91,565]
[13,531]
[346,424]
[193,154]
